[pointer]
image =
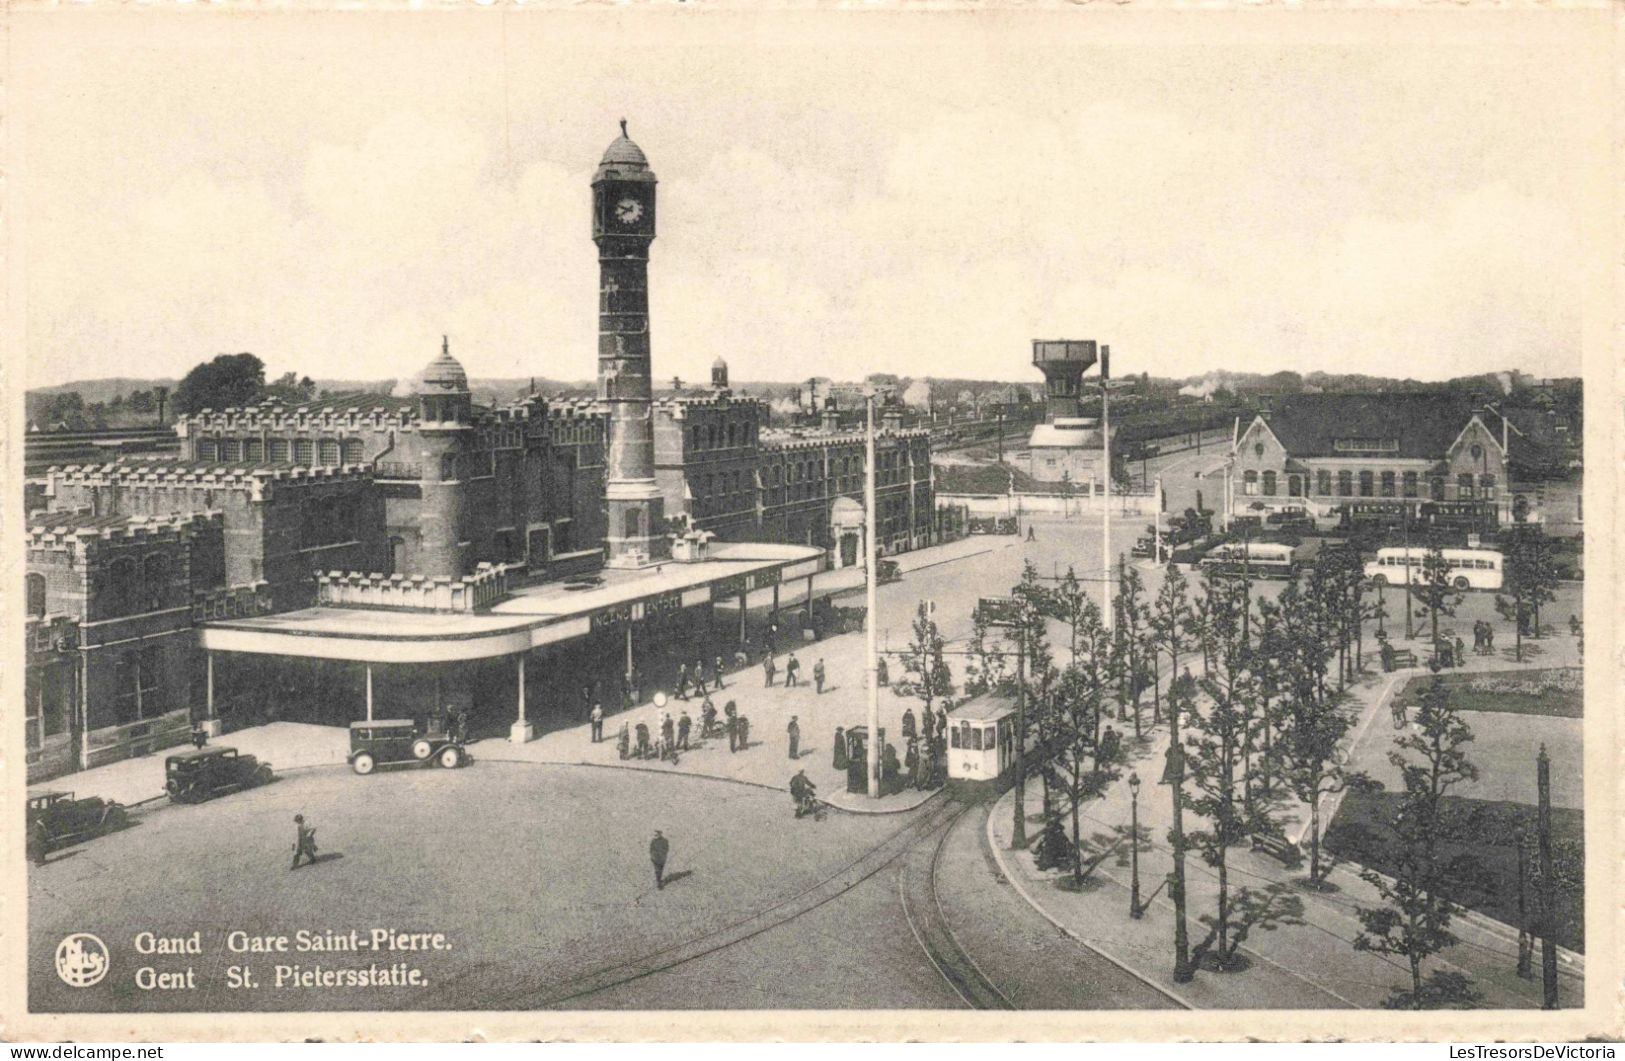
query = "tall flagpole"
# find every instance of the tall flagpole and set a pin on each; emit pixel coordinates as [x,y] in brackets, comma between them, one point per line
[871,612]
[1106,502]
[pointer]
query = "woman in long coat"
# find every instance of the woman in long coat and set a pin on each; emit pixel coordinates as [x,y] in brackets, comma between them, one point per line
[840,748]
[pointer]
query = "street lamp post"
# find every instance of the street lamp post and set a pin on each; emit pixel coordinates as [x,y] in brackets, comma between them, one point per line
[1106,458]
[1135,910]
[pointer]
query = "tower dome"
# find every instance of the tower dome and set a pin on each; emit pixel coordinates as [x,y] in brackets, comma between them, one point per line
[624,160]
[444,374]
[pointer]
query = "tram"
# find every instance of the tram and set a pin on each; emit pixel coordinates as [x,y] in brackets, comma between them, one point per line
[982,744]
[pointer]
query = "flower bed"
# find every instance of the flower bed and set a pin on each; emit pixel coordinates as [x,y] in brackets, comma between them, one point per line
[1556,691]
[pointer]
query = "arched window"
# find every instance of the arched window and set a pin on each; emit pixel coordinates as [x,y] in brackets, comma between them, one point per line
[330,452]
[303,451]
[731,434]
[253,450]
[1387,484]
[1294,485]
[155,581]
[1409,484]
[698,432]
[1345,484]
[1367,484]
[207,450]
[354,451]
[1249,483]
[711,434]
[1487,482]
[231,450]
[1438,488]
[121,586]
[1323,483]
[1269,484]
[278,452]
[36,595]
[1464,486]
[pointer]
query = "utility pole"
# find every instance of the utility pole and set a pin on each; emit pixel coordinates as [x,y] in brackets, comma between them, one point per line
[1001,434]
[1156,515]
[1106,458]
[871,611]
[1018,831]
[1548,886]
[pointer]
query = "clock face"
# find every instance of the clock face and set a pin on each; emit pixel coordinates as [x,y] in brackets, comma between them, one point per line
[627,211]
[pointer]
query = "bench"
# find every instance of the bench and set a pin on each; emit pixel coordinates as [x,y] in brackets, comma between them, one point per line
[1401,657]
[1277,847]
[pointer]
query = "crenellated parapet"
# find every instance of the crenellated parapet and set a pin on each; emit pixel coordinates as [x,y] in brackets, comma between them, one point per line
[470,593]
[274,416]
[81,534]
[259,483]
[233,602]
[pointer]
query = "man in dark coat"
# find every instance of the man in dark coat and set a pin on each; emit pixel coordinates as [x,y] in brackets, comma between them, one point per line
[840,748]
[732,726]
[699,677]
[597,719]
[684,725]
[668,732]
[659,848]
[792,671]
[818,675]
[744,732]
[682,681]
[909,728]
[304,844]
[769,669]
[719,672]
[891,771]
[643,740]
[793,730]
[1106,754]
[911,763]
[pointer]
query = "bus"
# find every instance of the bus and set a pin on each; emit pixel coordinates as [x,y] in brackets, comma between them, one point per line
[1259,559]
[1469,568]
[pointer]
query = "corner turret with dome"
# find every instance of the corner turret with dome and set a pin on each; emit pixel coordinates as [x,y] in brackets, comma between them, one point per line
[442,389]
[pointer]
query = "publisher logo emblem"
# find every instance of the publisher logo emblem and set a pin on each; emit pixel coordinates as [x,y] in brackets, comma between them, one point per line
[81,960]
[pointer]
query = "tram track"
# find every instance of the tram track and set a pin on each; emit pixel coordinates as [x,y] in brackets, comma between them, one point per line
[877,859]
[923,910]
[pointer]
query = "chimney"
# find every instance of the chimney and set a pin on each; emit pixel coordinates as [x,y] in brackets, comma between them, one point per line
[831,421]
[891,418]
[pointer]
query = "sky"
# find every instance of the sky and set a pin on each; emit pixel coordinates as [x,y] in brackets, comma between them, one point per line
[840,193]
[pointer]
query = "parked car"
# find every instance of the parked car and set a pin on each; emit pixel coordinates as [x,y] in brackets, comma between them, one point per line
[57,819]
[213,770]
[385,742]
[888,572]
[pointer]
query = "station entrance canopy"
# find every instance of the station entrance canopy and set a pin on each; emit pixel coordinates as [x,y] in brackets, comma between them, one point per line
[529,618]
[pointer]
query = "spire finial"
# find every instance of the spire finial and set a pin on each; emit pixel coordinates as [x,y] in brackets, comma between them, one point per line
[623,126]
[445,345]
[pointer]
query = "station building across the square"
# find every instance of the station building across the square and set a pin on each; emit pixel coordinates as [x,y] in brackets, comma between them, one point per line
[325,557]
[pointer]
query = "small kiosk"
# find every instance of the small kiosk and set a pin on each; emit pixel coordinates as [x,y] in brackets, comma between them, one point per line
[982,744]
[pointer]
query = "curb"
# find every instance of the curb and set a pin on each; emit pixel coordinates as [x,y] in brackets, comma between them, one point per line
[1015,882]
[699,776]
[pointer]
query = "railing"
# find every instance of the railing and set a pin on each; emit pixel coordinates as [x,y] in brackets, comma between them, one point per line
[353,589]
[397,470]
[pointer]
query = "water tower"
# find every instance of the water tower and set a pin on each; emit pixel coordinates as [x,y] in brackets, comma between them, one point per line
[1063,363]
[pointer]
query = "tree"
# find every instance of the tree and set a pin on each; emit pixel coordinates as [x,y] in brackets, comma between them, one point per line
[1414,922]
[1181,701]
[1312,727]
[1436,590]
[229,380]
[1219,740]
[1529,579]
[1130,643]
[924,656]
[1065,603]
[1169,621]
[291,388]
[1075,723]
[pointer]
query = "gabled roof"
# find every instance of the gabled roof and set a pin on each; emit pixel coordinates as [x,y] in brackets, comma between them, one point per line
[1424,424]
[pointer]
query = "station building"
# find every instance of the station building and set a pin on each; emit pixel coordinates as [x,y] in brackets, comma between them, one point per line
[411,555]
[1430,457]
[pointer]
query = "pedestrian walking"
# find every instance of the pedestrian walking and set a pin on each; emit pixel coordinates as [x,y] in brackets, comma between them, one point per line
[768,670]
[684,724]
[304,844]
[719,672]
[744,732]
[882,677]
[699,678]
[1106,755]
[1461,651]
[792,669]
[840,760]
[818,675]
[659,849]
[38,842]
[732,726]
[911,763]
[1574,625]
[708,718]
[1030,536]
[909,727]
[597,719]
[793,730]
[668,732]
[643,740]
[682,681]
[1489,639]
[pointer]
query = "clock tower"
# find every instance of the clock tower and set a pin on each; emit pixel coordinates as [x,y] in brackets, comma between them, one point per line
[623,226]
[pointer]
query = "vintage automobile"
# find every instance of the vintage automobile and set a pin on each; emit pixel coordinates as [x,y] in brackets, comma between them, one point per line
[213,770]
[888,571]
[387,741]
[58,819]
